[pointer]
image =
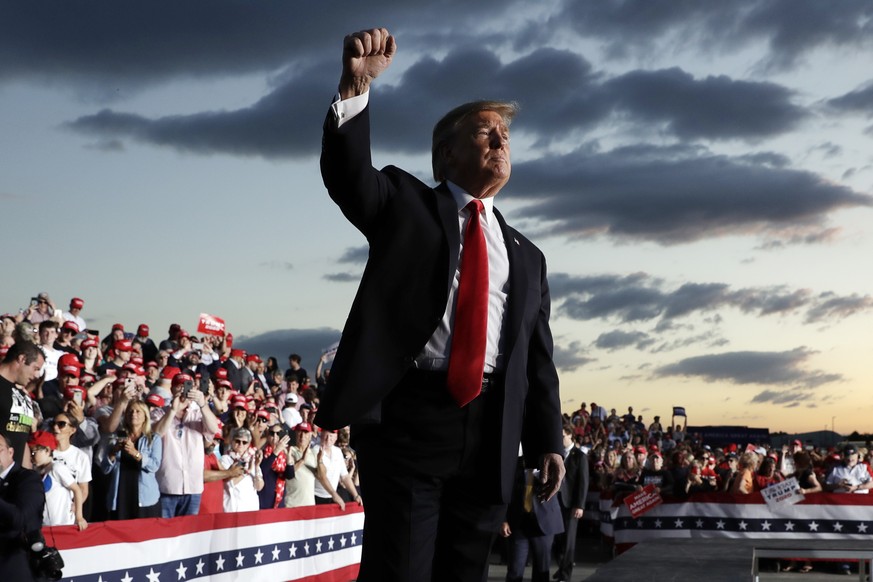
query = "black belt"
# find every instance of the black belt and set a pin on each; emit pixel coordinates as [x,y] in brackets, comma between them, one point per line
[490,380]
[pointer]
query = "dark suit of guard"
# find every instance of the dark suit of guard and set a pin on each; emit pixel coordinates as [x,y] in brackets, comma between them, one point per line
[436,477]
[21,505]
[573,494]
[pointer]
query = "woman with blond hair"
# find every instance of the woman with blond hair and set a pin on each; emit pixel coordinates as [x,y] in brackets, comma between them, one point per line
[131,461]
[744,480]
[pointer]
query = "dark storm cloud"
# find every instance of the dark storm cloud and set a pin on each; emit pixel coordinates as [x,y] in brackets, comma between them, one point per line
[558,91]
[571,357]
[618,339]
[129,44]
[831,306]
[791,28]
[789,398]
[639,298]
[309,343]
[710,108]
[780,368]
[672,194]
[342,277]
[287,122]
[858,101]
[355,255]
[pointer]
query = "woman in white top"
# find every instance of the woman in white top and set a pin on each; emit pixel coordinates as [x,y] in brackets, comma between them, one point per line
[241,493]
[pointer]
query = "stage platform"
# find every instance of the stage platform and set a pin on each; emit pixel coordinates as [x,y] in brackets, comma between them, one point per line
[719,560]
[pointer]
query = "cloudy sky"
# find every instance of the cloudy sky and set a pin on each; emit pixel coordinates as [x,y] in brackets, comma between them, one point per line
[699,176]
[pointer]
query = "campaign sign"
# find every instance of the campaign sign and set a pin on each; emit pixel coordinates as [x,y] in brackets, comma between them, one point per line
[640,502]
[781,496]
[210,324]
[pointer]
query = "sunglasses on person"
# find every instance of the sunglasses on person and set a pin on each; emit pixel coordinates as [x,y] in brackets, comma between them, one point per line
[61,423]
[264,420]
[240,442]
[276,432]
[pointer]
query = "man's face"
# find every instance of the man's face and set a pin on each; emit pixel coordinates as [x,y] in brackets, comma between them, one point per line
[328,439]
[478,157]
[851,459]
[6,455]
[29,372]
[48,335]
[123,355]
[303,439]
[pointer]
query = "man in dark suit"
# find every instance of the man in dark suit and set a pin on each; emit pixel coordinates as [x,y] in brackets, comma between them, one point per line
[573,493]
[445,362]
[21,504]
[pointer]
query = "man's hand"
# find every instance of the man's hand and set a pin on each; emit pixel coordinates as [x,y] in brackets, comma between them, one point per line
[552,474]
[366,55]
[578,512]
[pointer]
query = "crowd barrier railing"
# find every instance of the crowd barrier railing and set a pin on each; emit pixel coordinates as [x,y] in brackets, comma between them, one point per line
[831,516]
[307,544]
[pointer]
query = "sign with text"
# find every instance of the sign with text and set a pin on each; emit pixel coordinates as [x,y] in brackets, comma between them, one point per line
[640,502]
[781,496]
[211,325]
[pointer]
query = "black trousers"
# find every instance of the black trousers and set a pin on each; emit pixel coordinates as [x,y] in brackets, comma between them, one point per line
[430,470]
[567,544]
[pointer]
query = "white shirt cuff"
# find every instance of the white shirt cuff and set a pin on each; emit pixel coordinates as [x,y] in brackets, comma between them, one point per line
[346,109]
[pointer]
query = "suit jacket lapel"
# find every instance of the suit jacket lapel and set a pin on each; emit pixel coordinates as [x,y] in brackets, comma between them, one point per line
[517,286]
[447,210]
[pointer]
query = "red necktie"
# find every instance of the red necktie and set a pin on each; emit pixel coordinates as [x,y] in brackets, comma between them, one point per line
[467,356]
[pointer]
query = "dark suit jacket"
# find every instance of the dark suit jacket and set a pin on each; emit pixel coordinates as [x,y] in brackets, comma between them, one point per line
[574,487]
[234,376]
[414,239]
[21,504]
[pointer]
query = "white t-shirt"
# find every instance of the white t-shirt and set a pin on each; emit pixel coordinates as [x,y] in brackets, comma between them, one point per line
[76,461]
[240,496]
[51,362]
[77,319]
[291,417]
[59,499]
[335,468]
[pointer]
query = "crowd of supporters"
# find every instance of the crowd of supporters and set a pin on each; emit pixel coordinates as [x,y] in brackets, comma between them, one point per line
[626,454]
[125,426]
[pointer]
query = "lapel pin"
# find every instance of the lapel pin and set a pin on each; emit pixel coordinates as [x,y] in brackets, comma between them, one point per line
[516,241]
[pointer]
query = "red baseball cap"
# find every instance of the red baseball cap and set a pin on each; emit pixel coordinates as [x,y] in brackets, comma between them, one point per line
[170,372]
[117,326]
[71,325]
[76,303]
[142,330]
[123,346]
[180,379]
[42,438]
[155,400]
[303,427]
[220,374]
